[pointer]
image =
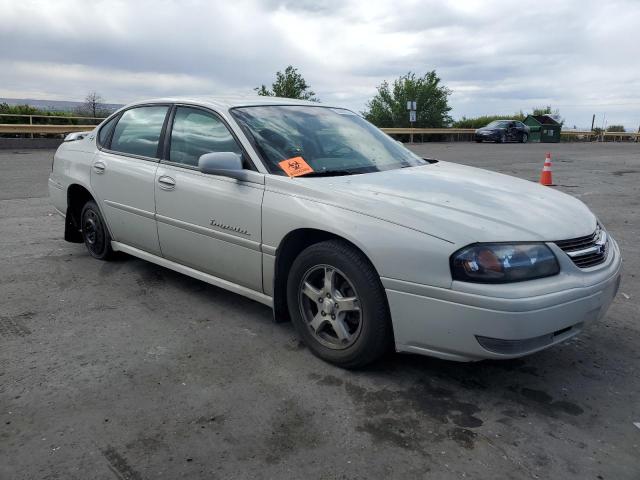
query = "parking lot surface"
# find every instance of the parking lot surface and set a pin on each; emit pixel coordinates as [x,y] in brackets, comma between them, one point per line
[126,370]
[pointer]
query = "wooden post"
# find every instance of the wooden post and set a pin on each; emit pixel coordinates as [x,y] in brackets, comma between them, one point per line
[31,123]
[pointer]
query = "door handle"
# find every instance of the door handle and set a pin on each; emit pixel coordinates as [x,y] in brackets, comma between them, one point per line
[166,182]
[99,167]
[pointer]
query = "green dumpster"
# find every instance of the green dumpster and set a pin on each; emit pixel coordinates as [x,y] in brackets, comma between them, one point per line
[543,128]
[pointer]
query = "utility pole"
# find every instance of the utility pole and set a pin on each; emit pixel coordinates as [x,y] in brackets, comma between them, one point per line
[411,106]
[593,121]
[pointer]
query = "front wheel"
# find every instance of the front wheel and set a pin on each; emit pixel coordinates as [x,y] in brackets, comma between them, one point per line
[94,232]
[524,138]
[502,138]
[338,305]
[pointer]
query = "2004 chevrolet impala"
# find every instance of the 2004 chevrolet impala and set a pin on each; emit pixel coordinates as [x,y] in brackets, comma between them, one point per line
[317,213]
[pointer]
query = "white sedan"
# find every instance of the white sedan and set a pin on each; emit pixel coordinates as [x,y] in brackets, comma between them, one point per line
[360,243]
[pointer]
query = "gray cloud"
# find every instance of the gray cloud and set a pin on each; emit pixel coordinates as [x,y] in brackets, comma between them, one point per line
[322,7]
[579,55]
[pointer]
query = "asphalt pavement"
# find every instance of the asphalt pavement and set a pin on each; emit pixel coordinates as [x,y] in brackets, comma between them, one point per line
[126,370]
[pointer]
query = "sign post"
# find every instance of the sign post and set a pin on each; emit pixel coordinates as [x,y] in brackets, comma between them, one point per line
[411,106]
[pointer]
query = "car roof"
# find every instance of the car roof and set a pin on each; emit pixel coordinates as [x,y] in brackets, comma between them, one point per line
[227,102]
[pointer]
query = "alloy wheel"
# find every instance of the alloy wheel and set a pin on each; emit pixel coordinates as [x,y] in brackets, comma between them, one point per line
[330,306]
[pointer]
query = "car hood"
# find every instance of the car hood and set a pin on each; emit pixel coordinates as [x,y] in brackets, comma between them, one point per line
[460,204]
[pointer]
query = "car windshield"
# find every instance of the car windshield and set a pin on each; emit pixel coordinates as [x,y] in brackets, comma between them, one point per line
[330,140]
[499,124]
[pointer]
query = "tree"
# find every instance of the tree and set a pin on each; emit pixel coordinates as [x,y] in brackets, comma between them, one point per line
[544,111]
[484,120]
[93,105]
[555,114]
[388,108]
[616,128]
[289,84]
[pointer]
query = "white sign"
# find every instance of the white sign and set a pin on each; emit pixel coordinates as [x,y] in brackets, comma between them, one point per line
[411,105]
[412,116]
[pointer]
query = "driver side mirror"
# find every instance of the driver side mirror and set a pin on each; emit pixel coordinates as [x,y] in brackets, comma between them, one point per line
[219,163]
[227,164]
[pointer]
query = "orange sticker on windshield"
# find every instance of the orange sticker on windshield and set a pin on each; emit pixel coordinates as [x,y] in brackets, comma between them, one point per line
[296,166]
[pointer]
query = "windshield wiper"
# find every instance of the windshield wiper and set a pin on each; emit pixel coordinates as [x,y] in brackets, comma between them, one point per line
[327,173]
[426,160]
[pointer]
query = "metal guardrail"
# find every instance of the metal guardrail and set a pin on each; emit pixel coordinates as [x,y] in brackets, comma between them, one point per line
[36,128]
[427,131]
[621,134]
[471,131]
[576,132]
[43,129]
[31,117]
[602,135]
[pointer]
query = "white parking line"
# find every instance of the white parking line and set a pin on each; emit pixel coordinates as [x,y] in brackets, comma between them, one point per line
[637,424]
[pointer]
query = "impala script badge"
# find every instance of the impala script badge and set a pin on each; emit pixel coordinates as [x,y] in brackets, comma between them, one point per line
[231,228]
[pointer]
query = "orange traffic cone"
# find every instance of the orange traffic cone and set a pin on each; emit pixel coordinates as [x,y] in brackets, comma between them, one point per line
[545,175]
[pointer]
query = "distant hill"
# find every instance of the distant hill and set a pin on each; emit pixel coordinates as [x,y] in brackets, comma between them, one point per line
[53,105]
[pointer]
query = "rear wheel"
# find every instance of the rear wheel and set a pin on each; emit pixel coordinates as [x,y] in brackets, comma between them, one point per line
[338,305]
[94,232]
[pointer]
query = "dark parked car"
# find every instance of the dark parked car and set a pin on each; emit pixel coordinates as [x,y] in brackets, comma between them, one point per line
[503,131]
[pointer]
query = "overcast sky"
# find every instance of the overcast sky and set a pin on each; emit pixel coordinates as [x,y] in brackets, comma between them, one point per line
[497,57]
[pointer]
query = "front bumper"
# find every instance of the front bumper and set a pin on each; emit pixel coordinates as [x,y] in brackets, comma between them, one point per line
[489,136]
[464,326]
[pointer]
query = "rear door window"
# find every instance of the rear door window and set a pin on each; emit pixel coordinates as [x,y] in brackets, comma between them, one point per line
[138,131]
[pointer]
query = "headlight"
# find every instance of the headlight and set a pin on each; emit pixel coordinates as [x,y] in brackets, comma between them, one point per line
[503,263]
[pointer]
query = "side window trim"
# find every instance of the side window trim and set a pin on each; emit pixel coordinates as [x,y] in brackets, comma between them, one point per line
[113,128]
[167,141]
[160,151]
[166,138]
[115,118]
[155,159]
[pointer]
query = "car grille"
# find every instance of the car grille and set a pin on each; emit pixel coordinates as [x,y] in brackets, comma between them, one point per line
[587,251]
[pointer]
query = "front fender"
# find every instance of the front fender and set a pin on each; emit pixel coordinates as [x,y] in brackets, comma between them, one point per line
[395,251]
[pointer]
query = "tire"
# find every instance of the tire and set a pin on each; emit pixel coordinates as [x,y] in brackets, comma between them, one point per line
[502,138]
[355,303]
[524,138]
[94,232]
[478,140]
